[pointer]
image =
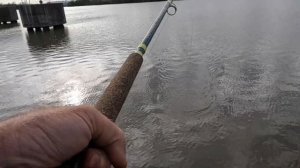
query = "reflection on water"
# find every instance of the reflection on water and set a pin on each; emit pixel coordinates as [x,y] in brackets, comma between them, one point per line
[219,88]
[41,44]
[41,41]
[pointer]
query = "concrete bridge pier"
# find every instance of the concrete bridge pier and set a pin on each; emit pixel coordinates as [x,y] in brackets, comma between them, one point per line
[40,17]
[8,14]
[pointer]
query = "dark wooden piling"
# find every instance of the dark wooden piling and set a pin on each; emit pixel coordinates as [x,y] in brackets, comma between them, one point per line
[38,29]
[46,28]
[30,29]
[58,27]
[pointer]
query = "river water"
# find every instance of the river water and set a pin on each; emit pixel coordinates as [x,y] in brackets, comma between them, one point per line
[219,87]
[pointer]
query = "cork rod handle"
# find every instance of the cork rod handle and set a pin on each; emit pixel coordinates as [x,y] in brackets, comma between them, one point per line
[113,98]
[115,94]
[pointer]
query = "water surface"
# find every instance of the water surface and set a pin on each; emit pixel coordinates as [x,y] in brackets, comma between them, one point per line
[219,88]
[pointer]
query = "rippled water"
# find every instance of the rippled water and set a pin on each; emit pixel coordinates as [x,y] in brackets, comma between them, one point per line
[220,87]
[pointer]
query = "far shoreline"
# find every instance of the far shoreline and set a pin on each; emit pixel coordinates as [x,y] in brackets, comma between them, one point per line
[76,3]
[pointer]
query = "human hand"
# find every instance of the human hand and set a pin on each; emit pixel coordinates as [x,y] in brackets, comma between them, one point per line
[47,138]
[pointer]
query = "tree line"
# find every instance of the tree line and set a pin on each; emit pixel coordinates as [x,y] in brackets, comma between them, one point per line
[91,2]
[99,2]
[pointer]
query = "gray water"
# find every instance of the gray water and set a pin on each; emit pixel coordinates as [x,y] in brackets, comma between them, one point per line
[219,87]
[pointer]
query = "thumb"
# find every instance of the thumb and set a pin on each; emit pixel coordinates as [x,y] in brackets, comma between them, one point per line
[96,158]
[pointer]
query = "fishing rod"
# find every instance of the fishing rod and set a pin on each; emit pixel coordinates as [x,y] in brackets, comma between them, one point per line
[114,96]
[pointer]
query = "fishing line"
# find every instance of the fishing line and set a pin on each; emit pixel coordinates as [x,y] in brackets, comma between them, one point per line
[192,32]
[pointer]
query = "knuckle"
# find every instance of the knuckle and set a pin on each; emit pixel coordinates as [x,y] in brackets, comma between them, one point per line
[88,113]
[120,133]
[85,108]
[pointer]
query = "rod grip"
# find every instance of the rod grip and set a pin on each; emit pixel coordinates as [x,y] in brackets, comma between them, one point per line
[115,94]
[113,98]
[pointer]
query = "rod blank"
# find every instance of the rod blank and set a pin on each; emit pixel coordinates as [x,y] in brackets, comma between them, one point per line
[142,48]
